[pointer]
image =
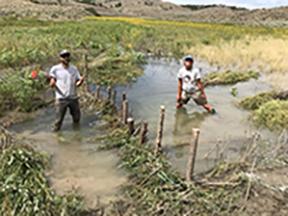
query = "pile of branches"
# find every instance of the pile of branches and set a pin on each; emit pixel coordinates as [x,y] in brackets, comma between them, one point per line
[154,188]
[269,109]
[24,186]
[229,77]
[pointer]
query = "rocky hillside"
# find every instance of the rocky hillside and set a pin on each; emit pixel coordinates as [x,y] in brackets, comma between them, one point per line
[49,9]
[222,14]
[73,9]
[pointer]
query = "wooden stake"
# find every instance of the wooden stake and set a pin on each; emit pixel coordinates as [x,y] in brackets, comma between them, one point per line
[98,89]
[158,147]
[2,141]
[124,97]
[109,92]
[192,155]
[85,58]
[122,102]
[130,122]
[125,109]
[143,132]
[113,97]
[86,71]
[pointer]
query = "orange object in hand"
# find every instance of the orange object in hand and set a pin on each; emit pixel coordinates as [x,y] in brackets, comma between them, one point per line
[34,74]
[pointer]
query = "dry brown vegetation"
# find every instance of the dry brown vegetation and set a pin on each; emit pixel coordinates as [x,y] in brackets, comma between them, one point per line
[266,54]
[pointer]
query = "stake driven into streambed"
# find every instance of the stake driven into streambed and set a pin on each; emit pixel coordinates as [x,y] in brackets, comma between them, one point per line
[158,147]
[192,154]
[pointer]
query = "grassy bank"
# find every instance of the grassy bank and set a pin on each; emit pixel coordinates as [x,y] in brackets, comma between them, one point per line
[35,42]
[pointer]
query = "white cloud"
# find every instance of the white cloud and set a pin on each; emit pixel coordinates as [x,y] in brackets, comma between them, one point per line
[240,3]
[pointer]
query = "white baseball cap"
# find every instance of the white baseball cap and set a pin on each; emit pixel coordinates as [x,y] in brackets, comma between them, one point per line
[64,52]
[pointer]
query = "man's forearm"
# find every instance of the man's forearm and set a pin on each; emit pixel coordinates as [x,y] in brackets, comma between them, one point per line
[201,86]
[79,82]
[52,82]
[179,94]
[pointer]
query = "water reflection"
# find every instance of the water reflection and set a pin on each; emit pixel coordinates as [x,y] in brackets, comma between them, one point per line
[158,86]
[184,121]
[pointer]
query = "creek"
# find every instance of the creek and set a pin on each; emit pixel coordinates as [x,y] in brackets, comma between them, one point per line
[76,163]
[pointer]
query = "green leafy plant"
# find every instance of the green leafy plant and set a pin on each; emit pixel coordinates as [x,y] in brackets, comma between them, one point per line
[24,188]
[19,90]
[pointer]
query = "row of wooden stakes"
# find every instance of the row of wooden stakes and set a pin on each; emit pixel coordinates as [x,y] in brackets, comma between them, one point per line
[126,119]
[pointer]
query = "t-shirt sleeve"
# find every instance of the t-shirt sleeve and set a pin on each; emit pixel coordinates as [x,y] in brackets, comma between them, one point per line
[197,74]
[180,74]
[52,72]
[78,76]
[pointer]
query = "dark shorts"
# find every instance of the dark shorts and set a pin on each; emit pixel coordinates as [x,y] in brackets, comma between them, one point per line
[197,97]
[61,107]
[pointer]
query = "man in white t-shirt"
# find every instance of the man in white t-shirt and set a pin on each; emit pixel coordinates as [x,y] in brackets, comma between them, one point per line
[190,86]
[65,78]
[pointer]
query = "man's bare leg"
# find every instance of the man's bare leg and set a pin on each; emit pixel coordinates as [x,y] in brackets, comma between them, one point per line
[209,108]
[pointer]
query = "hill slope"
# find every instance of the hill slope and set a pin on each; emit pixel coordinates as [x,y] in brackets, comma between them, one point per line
[222,14]
[48,9]
[74,9]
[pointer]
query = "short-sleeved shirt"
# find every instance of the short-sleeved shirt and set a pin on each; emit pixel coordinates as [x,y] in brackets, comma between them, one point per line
[66,79]
[189,79]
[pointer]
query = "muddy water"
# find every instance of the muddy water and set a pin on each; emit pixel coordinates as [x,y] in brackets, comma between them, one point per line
[229,127]
[76,163]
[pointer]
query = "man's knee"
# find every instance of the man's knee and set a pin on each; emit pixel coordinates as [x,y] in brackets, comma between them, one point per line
[75,111]
[61,108]
[76,118]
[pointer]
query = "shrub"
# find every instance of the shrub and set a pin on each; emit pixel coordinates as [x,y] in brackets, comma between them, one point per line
[255,102]
[19,90]
[273,115]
